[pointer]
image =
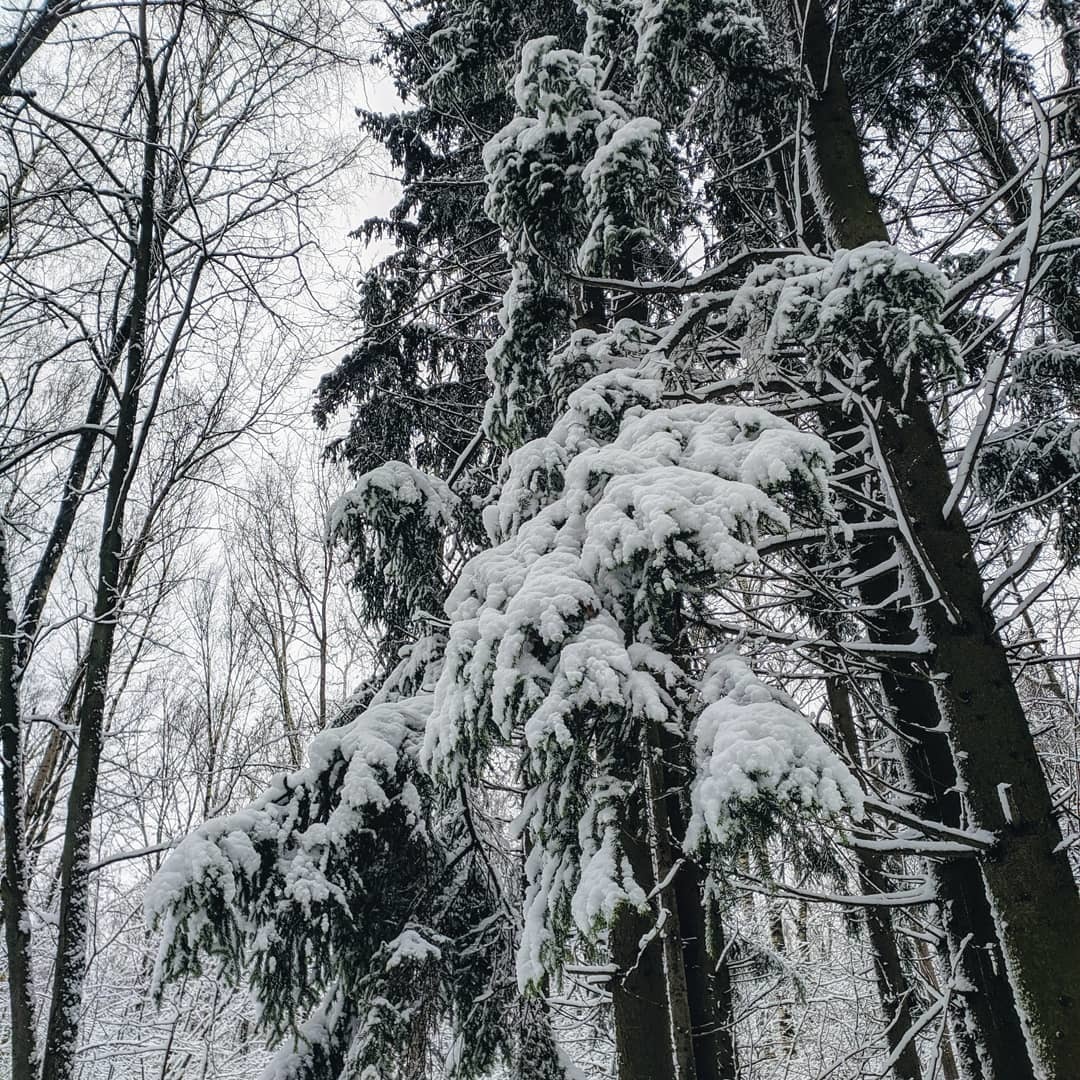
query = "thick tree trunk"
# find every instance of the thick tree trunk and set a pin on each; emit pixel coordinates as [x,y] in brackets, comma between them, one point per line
[1066,17]
[894,988]
[989,1037]
[723,995]
[1027,875]
[983,1002]
[643,1049]
[667,868]
[704,976]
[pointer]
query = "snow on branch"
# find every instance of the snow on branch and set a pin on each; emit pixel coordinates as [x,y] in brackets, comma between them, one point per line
[354,907]
[848,309]
[758,755]
[556,636]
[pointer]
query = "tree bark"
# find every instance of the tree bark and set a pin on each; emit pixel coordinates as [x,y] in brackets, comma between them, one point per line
[984,997]
[704,981]
[643,1049]
[723,994]
[15,883]
[894,988]
[1027,875]
[667,867]
[710,1006]
[988,1035]
[71,950]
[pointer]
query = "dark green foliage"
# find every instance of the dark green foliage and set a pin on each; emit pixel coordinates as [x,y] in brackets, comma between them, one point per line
[414,383]
[411,955]
[902,56]
[1030,471]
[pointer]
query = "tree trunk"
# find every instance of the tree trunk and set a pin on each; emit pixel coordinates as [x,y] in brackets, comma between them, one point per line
[706,975]
[946,1056]
[667,868]
[894,988]
[71,949]
[643,1049]
[963,88]
[15,883]
[723,995]
[705,980]
[990,1038]
[984,996]
[694,990]
[1027,875]
[983,1003]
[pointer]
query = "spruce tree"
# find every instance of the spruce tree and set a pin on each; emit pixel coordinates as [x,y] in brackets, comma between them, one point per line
[591,596]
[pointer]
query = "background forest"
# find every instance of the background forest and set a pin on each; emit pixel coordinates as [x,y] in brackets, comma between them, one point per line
[609,614]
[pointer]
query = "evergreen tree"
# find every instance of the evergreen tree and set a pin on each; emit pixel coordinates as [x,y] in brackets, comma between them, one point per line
[591,596]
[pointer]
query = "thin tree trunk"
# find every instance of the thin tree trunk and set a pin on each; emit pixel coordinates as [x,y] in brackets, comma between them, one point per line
[15,884]
[71,949]
[963,88]
[1058,287]
[894,988]
[949,1068]
[16,645]
[778,939]
[1027,875]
